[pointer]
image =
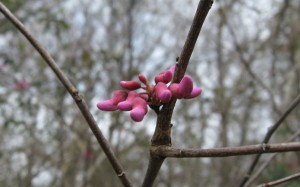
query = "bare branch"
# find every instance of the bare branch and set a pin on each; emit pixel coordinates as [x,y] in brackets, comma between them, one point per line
[162,134]
[74,93]
[269,135]
[280,181]
[186,53]
[166,151]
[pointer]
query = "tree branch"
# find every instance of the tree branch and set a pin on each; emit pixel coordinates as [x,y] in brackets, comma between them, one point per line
[74,93]
[268,136]
[162,133]
[186,53]
[280,181]
[166,151]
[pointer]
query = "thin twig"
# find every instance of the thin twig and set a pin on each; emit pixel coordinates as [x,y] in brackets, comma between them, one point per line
[265,164]
[188,48]
[166,151]
[74,93]
[162,134]
[268,136]
[280,181]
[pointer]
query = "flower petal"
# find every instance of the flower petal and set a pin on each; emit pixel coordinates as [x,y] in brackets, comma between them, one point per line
[174,90]
[128,103]
[130,85]
[139,109]
[165,76]
[137,114]
[107,105]
[162,92]
[195,92]
[119,95]
[143,79]
[185,86]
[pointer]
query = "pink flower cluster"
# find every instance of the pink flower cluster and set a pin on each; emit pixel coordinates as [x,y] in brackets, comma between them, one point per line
[153,95]
[1,67]
[21,85]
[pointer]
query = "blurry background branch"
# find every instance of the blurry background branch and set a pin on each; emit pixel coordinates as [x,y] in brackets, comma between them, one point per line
[280,181]
[268,161]
[269,134]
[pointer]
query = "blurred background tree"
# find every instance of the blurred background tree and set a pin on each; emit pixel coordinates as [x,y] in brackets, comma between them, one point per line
[247,61]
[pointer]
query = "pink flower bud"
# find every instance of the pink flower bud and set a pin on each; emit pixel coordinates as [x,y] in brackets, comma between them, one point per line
[107,105]
[144,96]
[127,104]
[185,86]
[162,92]
[165,77]
[111,104]
[174,90]
[88,154]
[195,92]
[139,109]
[143,79]
[130,85]
[21,85]
[159,78]
[185,89]
[119,95]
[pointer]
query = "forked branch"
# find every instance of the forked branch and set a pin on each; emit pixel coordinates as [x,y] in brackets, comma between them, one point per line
[162,134]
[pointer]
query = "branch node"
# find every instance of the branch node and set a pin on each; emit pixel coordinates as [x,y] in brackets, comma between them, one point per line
[121,174]
[75,94]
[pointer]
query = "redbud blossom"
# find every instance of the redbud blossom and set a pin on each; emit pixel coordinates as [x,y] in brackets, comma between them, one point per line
[139,109]
[195,92]
[143,79]
[21,85]
[185,89]
[185,86]
[144,96]
[153,95]
[174,90]
[130,85]
[88,154]
[107,105]
[111,104]
[162,92]
[165,77]
[128,103]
